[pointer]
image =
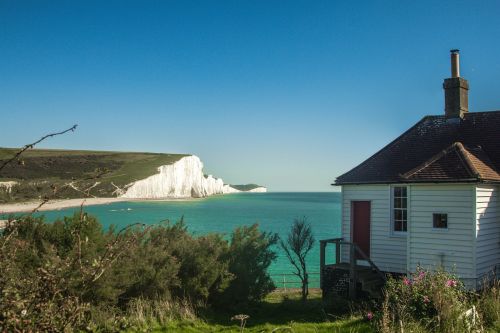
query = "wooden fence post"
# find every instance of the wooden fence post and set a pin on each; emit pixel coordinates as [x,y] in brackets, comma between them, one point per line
[337,252]
[321,262]
[352,272]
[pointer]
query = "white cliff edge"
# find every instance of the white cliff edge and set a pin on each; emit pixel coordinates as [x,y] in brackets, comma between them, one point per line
[182,179]
[260,189]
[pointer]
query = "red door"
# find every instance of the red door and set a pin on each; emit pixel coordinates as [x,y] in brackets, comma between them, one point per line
[360,224]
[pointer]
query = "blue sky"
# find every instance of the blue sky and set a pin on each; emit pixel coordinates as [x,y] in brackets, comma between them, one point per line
[288,94]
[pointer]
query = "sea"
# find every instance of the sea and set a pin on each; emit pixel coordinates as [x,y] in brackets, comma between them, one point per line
[273,211]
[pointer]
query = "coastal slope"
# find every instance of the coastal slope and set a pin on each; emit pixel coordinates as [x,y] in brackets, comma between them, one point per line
[67,174]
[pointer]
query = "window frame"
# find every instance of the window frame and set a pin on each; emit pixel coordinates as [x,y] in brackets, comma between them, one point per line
[393,209]
[447,222]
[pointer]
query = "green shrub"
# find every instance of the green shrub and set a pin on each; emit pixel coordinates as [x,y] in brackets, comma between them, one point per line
[249,256]
[425,302]
[71,274]
[35,291]
[489,304]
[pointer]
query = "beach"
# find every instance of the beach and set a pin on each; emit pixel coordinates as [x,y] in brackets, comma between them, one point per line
[29,206]
[20,207]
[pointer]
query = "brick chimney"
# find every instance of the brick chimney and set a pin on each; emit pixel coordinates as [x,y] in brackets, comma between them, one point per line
[456,90]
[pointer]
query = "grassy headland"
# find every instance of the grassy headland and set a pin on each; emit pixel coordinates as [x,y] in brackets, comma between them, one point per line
[246,187]
[40,171]
[63,174]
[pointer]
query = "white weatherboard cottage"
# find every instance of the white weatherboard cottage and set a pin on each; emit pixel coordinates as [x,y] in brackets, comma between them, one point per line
[431,197]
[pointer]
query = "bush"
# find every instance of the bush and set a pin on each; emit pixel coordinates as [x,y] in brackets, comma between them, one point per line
[489,304]
[36,289]
[59,276]
[425,302]
[249,257]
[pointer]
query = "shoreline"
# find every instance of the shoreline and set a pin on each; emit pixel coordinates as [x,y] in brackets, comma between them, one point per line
[58,204]
[23,207]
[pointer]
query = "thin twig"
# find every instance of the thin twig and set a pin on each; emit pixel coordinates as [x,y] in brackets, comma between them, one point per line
[106,262]
[31,145]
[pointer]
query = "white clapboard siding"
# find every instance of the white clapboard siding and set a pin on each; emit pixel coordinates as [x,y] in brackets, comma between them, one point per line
[487,229]
[388,252]
[453,247]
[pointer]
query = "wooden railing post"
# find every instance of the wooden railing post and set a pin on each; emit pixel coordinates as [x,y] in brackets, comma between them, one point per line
[354,251]
[321,262]
[337,252]
[352,272]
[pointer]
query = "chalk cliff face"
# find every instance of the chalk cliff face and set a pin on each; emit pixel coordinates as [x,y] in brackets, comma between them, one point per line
[182,179]
[260,189]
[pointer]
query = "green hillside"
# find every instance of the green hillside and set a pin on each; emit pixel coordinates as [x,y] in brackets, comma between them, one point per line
[40,171]
[247,187]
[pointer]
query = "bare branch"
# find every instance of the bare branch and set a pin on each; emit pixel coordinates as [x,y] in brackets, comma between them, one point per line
[31,145]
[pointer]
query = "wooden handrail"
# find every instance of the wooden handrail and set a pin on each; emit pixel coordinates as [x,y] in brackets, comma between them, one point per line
[331,240]
[353,248]
[373,266]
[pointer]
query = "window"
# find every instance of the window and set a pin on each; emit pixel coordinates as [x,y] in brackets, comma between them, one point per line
[399,209]
[440,221]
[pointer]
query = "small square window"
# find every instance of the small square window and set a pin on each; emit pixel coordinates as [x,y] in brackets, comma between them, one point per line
[440,221]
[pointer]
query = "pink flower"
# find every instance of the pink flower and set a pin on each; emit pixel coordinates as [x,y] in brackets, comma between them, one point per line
[451,283]
[419,277]
[369,315]
[407,281]
[426,299]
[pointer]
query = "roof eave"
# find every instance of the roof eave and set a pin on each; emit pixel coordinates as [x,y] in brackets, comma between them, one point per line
[420,181]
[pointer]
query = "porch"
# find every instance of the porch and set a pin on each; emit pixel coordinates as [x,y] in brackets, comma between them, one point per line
[349,278]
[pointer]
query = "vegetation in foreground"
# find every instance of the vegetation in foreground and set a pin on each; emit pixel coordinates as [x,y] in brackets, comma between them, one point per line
[299,242]
[73,275]
[280,311]
[438,302]
[423,302]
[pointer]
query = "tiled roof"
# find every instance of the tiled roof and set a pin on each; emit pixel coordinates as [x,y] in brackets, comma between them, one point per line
[437,149]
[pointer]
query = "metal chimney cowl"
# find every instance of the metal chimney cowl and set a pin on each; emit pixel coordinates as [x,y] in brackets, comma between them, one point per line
[456,90]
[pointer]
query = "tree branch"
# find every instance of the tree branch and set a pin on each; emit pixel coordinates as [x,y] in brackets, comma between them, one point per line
[31,145]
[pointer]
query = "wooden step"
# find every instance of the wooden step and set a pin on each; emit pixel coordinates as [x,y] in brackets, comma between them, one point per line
[371,282]
[368,278]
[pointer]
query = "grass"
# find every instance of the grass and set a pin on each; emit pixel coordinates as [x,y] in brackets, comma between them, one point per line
[246,187]
[279,312]
[340,326]
[42,167]
[124,167]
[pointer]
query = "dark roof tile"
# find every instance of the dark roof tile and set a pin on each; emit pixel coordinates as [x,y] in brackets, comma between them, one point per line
[437,149]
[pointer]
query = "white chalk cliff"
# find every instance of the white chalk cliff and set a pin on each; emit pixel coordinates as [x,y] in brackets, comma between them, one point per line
[182,179]
[260,189]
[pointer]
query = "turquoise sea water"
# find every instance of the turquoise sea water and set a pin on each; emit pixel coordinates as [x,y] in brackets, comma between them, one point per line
[274,212]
